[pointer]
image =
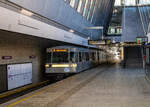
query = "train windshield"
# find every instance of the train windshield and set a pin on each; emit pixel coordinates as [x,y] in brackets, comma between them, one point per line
[60,57]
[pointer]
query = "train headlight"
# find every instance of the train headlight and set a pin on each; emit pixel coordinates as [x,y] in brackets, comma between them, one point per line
[60,65]
[63,65]
[47,65]
[74,65]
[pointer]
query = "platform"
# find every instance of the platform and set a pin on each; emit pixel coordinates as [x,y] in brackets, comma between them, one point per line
[104,86]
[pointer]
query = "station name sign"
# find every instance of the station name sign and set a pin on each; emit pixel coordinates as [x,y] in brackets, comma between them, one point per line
[141,40]
[96,42]
[99,42]
[59,50]
[6,57]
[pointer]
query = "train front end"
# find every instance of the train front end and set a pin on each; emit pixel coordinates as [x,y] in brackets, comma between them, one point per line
[58,62]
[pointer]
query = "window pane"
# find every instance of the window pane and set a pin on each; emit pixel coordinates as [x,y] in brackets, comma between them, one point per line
[90,10]
[79,6]
[94,10]
[48,58]
[57,57]
[118,3]
[87,56]
[85,8]
[72,3]
[130,2]
[80,57]
[73,58]
[144,2]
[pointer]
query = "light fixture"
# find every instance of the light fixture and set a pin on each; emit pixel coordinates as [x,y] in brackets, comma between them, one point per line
[47,65]
[71,31]
[63,65]
[95,27]
[26,12]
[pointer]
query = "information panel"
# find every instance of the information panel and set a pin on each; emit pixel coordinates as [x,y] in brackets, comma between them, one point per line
[19,75]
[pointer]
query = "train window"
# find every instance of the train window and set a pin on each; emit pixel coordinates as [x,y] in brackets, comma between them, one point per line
[60,57]
[90,56]
[73,56]
[83,56]
[48,58]
[76,56]
[80,57]
[98,58]
[87,56]
[93,55]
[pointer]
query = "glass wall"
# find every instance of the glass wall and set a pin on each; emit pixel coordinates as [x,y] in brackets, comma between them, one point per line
[131,2]
[118,3]
[144,2]
[72,3]
[79,8]
[85,7]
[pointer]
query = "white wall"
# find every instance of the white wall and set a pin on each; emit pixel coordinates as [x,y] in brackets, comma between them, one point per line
[15,22]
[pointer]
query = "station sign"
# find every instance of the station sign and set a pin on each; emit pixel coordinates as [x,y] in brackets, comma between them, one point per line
[100,42]
[141,40]
[96,42]
[59,50]
[56,50]
[6,57]
[32,57]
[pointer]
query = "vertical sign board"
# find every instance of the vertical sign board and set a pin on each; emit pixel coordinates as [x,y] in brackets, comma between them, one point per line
[19,75]
[142,40]
[147,55]
[139,40]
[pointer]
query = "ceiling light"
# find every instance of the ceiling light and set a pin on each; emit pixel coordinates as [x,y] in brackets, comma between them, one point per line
[71,31]
[26,12]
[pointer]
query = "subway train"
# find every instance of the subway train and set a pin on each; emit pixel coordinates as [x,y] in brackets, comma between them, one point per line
[70,59]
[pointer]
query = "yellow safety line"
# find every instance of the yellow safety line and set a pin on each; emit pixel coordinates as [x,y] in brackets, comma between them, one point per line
[22,89]
[24,99]
[15,103]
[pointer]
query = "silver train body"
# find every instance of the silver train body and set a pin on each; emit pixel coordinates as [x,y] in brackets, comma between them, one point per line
[70,59]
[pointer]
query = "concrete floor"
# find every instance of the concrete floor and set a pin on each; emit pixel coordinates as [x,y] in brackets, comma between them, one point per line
[109,86]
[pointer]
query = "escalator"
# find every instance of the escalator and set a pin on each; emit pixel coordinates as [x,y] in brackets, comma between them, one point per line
[133,57]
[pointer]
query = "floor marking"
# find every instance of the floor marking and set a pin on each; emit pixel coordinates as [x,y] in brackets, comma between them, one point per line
[15,103]
[24,99]
[22,89]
